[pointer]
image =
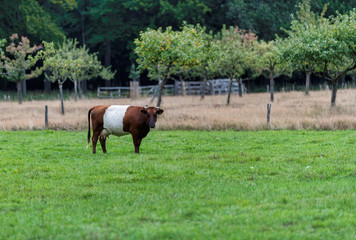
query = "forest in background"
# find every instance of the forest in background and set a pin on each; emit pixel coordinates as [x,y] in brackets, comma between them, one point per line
[109,27]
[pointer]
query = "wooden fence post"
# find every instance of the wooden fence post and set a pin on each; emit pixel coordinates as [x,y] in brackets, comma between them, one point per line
[211,85]
[268,112]
[46,116]
[134,90]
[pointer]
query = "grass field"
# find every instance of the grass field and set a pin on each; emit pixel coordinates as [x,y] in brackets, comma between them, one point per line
[183,185]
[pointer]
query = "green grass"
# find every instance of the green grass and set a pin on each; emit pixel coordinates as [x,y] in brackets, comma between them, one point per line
[183,185]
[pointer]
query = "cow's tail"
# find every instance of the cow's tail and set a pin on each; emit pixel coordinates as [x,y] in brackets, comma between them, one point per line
[89,115]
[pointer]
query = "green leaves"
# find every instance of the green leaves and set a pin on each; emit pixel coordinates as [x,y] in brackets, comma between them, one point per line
[234,51]
[167,48]
[74,63]
[327,46]
[269,57]
[19,59]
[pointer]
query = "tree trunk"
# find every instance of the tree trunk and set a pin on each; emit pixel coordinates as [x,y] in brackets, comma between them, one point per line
[75,90]
[23,87]
[160,89]
[229,92]
[271,83]
[80,89]
[161,86]
[19,92]
[61,96]
[307,83]
[333,94]
[240,86]
[108,60]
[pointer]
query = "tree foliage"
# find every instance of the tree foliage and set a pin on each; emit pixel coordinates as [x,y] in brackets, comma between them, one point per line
[160,50]
[29,18]
[269,60]
[328,47]
[234,54]
[17,64]
[84,66]
[110,27]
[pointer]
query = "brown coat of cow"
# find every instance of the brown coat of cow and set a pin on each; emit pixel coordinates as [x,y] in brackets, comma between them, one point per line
[136,120]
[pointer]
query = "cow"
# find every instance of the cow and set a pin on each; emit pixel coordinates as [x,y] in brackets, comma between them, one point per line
[121,120]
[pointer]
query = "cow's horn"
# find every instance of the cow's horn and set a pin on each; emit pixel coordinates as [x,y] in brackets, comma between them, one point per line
[146,106]
[157,108]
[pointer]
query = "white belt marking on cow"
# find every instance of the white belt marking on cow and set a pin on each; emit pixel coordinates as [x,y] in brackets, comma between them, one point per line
[113,120]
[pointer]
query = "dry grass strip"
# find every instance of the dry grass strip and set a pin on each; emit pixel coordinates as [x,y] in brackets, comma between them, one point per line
[291,110]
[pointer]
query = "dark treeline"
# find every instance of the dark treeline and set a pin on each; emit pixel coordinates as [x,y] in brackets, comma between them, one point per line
[109,27]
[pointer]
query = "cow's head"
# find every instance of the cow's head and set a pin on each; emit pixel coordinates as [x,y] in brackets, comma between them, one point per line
[151,114]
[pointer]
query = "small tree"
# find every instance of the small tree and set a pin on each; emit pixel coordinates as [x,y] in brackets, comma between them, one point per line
[19,62]
[58,62]
[159,50]
[326,48]
[134,74]
[234,55]
[269,61]
[206,55]
[84,66]
[305,15]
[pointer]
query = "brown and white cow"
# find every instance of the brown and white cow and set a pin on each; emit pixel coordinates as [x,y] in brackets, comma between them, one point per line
[121,120]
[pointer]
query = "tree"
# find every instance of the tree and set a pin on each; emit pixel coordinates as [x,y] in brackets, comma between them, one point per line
[234,55]
[17,66]
[159,50]
[58,63]
[328,48]
[29,18]
[259,16]
[269,61]
[206,55]
[134,73]
[305,15]
[84,66]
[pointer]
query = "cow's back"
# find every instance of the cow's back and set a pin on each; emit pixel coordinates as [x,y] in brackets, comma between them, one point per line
[113,120]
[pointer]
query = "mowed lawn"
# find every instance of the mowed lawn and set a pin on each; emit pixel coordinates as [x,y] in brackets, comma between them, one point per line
[183,185]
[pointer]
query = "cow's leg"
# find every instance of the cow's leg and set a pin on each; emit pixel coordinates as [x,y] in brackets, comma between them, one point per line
[95,140]
[137,142]
[102,141]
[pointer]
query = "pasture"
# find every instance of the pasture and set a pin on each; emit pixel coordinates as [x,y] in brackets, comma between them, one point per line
[183,185]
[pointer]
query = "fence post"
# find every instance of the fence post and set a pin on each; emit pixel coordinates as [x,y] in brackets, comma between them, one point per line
[46,116]
[134,90]
[268,112]
[184,92]
[211,87]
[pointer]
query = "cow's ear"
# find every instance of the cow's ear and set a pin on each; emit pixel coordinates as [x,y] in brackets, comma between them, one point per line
[160,111]
[143,111]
